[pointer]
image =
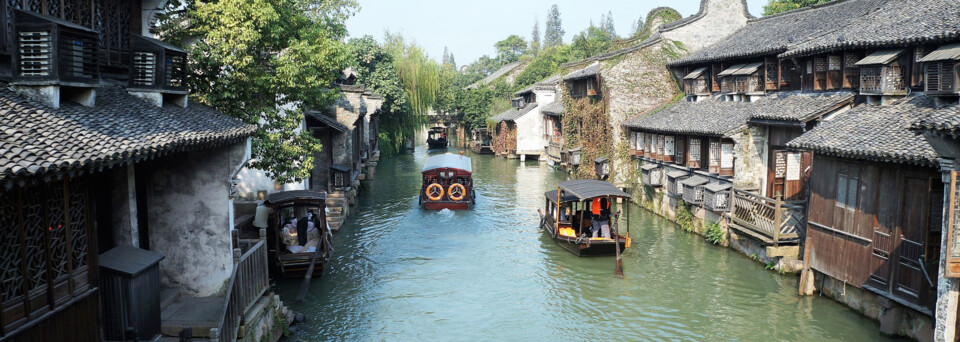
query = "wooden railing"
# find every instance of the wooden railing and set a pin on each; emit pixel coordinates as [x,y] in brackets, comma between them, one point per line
[248,282]
[777,221]
[554,150]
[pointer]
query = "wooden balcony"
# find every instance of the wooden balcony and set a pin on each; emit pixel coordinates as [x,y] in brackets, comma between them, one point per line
[771,221]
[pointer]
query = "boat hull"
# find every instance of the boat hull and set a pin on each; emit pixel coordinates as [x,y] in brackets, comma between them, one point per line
[295,265]
[436,144]
[429,205]
[588,247]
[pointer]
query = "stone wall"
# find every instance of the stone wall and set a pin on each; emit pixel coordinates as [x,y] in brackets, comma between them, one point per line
[190,217]
[349,108]
[749,149]
[716,20]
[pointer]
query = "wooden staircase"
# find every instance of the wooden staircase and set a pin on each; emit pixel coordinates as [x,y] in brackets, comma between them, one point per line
[337,203]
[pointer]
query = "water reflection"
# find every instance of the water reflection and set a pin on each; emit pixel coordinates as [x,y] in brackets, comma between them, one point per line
[402,273]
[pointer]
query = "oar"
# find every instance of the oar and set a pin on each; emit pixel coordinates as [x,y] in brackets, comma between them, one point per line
[309,275]
[618,269]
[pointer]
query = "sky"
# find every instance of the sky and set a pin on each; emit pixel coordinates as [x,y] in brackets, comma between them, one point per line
[470,28]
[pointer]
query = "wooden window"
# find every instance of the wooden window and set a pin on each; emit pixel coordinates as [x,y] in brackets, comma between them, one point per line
[661,142]
[668,148]
[851,73]
[916,77]
[679,151]
[834,72]
[714,82]
[714,156]
[848,185]
[45,252]
[694,161]
[772,73]
[820,73]
[726,159]
[941,78]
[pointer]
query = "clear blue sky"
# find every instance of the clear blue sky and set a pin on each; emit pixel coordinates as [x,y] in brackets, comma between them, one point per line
[470,28]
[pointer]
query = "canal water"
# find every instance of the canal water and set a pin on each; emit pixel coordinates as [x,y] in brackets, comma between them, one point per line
[401,273]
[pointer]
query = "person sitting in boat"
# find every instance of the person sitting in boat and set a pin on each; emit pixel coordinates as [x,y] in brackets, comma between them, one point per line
[301,235]
[600,218]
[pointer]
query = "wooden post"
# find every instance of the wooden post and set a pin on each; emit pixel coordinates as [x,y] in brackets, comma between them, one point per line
[263,233]
[236,255]
[235,237]
[778,219]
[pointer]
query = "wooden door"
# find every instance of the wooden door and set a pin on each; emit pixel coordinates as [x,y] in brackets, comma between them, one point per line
[911,279]
[777,173]
[888,211]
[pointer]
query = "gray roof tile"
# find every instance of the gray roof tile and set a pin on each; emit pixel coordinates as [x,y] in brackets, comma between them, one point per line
[775,33]
[514,114]
[873,132]
[799,107]
[708,117]
[554,108]
[895,23]
[589,71]
[36,140]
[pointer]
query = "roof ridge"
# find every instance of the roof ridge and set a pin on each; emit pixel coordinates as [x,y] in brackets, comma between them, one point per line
[800,10]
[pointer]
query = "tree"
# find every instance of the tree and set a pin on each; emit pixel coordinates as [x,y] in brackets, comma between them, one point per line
[509,50]
[535,38]
[446,56]
[638,27]
[608,25]
[592,41]
[249,59]
[544,65]
[453,61]
[779,6]
[553,35]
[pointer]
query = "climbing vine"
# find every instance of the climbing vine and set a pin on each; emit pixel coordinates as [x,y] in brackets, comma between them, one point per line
[684,217]
[713,233]
[585,125]
[505,140]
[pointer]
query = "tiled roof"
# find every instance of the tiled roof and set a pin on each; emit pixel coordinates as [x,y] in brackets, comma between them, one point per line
[514,114]
[797,106]
[554,108]
[352,88]
[327,120]
[548,83]
[36,140]
[895,23]
[775,33]
[589,71]
[873,132]
[943,120]
[495,75]
[709,117]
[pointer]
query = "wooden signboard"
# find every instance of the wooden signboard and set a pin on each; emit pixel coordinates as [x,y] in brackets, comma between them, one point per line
[953,242]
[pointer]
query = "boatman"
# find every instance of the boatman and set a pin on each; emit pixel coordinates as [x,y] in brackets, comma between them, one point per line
[600,208]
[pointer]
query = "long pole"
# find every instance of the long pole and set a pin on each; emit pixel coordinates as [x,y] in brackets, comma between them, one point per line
[618,268]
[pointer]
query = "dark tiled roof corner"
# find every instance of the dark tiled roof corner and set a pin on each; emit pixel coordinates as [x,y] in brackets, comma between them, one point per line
[775,33]
[554,108]
[799,107]
[589,71]
[709,117]
[876,133]
[514,114]
[944,120]
[36,140]
[895,23]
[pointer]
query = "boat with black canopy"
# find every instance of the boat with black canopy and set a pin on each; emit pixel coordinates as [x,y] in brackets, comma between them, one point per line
[297,232]
[437,138]
[447,182]
[578,215]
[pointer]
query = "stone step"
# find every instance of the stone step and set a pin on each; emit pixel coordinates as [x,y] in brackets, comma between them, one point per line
[200,314]
[168,296]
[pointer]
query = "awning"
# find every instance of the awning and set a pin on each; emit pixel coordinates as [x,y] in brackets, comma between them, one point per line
[677,174]
[694,181]
[741,69]
[554,108]
[584,189]
[649,167]
[880,57]
[947,52]
[695,74]
[327,121]
[718,187]
[341,168]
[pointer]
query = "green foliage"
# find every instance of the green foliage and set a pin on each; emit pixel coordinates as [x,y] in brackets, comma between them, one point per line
[251,58]
[280,321]
[713,233]
[684,217]
[780,6]
[543,66]
[553,35]
[592,41]
[644,29]
[510,49]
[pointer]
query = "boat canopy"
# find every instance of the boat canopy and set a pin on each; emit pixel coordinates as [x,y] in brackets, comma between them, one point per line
[448,160]
[552,196]
[296,195]
[584,189]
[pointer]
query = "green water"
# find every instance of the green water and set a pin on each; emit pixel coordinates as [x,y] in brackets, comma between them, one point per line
[489,274]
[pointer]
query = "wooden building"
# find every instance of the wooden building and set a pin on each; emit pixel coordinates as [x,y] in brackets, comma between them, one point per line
[585,82]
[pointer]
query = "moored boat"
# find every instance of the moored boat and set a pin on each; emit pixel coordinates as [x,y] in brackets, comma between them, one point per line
[297,231]
[447,183]
[578,217]
[481,141]
[437,138]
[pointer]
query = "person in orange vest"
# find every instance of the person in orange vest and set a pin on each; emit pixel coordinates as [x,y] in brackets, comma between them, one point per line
[600,218]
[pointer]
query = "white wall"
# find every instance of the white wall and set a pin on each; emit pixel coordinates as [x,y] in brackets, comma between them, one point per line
[530,126]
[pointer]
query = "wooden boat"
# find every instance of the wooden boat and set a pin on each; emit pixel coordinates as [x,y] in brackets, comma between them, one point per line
[567,217]
[437,138]
[481,141]
[305,206]
[447,183]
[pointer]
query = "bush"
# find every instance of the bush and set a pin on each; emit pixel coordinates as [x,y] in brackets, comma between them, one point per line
[713,233]
[684,217]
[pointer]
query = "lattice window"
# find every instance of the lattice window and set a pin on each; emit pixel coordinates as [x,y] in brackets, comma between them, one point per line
[714,153]
[772,71]
[78,225]
[820,64]
[834,63]
[176,71]
[850,60]
[694,150]
[56,227]
[11,275]
[34,229]
[809,67]
[36,53]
